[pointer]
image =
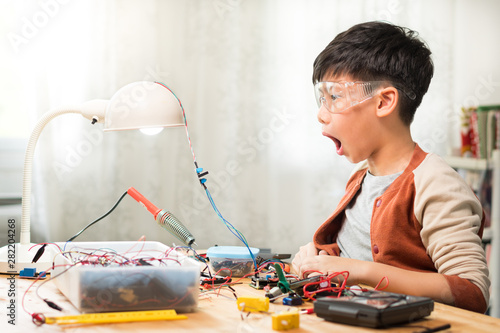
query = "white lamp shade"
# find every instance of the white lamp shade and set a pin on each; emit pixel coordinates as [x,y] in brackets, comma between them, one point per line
[143,105]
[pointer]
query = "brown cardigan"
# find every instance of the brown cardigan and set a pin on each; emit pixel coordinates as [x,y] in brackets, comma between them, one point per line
[413,224]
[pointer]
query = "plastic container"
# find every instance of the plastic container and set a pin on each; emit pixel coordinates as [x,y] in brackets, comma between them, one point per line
[152,284]
[231,260]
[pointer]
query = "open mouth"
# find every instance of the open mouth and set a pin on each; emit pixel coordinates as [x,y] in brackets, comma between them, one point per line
[338,143]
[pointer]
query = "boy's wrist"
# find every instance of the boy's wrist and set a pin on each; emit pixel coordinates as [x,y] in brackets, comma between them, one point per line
[366,273]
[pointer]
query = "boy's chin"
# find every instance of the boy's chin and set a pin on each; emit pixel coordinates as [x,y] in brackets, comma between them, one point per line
[354,160]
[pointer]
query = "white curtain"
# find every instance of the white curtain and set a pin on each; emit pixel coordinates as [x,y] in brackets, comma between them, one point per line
[242,69]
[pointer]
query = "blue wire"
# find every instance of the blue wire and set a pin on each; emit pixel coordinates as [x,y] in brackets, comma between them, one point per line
[231,228]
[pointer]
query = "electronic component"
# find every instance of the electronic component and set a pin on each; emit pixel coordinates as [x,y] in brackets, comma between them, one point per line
[286,320]
[214,279]
[142,262]
[30,273]
[273,293]
[260,282]
[293,299]
[373,308]
[298,286]
[253,304]
[52,305]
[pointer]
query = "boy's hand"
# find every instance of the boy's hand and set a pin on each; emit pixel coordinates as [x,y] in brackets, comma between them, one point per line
[306,251]
[327,264]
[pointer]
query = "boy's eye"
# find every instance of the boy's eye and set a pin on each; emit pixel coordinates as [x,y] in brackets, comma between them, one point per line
[334,97]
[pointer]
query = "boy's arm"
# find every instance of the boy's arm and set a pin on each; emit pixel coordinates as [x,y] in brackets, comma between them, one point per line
[452,220]
[433,285]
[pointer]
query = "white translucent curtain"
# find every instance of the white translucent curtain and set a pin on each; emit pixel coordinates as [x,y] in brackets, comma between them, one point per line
[242,70]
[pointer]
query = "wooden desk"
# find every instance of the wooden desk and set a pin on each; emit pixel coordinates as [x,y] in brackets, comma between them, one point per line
[215,314]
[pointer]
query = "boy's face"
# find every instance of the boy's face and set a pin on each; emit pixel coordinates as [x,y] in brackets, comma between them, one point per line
[354,130]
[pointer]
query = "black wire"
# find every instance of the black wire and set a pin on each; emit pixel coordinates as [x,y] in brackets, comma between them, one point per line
[425,329]
[94,222]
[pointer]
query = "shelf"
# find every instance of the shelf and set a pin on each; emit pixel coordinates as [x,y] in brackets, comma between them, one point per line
[491,234]
[469,163]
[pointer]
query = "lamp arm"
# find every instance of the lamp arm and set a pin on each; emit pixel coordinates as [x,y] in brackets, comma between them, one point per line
[93,110]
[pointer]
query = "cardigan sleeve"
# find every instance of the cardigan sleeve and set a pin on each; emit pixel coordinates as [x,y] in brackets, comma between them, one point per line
[452,223]
[466,294]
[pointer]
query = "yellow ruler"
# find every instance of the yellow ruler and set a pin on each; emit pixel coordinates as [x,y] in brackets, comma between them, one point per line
[115,317]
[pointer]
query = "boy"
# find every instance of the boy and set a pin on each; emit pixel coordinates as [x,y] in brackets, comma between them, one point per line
[406,215]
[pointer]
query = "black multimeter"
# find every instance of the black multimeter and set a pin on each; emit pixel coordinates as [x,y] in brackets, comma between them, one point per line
[373,308]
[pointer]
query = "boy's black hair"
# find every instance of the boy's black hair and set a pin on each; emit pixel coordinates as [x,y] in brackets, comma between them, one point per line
[379,51]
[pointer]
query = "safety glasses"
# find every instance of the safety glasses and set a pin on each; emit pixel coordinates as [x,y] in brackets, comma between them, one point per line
[340,96]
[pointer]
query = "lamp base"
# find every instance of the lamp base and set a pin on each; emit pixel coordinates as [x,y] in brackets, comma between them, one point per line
[16,257]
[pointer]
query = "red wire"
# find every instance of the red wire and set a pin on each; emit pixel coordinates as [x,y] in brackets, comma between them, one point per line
[185,118]
[328,279]
[143,240]
[385,278]
[45,244]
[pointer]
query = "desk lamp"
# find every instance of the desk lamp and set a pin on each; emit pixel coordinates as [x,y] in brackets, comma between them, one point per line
[139,105]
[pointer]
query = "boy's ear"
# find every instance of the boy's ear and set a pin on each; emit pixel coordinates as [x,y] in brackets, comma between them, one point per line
[387,102]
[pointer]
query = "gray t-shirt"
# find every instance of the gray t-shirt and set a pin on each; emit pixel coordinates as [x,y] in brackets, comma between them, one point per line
[354,237]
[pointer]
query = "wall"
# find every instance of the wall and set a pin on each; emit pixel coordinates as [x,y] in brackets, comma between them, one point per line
[476,65]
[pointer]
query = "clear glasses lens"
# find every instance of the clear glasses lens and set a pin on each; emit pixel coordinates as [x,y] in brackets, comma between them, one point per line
[339,96]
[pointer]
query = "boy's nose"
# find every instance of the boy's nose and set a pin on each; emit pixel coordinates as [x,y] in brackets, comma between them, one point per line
[323,115]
